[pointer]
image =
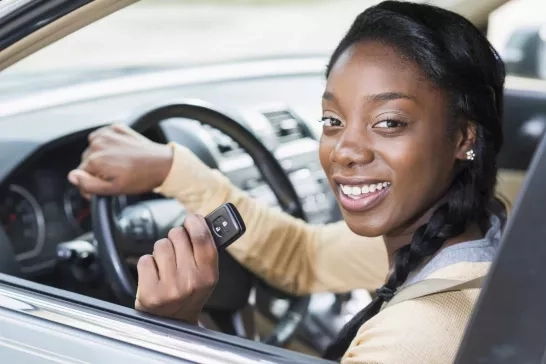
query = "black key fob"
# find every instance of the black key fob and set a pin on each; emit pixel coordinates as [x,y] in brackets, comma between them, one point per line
[226,225]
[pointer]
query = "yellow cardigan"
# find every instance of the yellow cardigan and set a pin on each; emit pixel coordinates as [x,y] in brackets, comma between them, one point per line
[301,258]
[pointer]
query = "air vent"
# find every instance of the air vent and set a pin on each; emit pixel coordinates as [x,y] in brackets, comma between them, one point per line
[287,127]
[226,146]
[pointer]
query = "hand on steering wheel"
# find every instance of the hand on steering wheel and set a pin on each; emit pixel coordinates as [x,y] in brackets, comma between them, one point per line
[120,161]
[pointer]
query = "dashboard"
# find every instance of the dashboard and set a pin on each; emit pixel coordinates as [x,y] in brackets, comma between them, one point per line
[39,208]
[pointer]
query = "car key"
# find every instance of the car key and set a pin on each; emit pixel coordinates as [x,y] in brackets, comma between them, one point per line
[226,225]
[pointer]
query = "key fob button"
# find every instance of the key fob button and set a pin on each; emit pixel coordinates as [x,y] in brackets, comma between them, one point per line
[217,227]
[224,224]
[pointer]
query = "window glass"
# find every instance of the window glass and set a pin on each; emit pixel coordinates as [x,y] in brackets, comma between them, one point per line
[518,31]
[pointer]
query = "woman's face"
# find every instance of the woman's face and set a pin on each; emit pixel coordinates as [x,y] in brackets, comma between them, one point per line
[385,145]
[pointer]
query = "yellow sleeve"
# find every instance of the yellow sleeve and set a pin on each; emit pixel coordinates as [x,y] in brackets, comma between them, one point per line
[424,330]
[286,252]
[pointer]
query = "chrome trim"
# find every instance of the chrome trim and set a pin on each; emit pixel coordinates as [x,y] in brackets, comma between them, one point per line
[159,80]
[45,355]
[121,330]
[9,6]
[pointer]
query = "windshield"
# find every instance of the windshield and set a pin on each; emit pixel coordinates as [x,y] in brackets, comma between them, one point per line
[160,33]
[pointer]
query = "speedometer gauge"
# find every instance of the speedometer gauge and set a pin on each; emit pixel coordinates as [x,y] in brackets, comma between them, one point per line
[23,221]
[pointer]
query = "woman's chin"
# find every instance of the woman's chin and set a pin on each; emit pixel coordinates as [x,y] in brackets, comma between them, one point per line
[364,227]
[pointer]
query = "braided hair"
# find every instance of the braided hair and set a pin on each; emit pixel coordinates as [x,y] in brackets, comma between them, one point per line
[456,57]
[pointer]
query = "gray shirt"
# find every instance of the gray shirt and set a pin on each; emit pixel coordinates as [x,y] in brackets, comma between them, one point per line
[482,250]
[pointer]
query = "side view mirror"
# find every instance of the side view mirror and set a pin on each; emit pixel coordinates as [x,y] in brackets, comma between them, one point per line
[525,52]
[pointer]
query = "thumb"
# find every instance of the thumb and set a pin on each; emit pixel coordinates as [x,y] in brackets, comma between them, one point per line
[91,184]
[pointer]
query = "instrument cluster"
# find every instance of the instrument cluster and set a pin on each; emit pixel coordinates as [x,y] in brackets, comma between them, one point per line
[39,208]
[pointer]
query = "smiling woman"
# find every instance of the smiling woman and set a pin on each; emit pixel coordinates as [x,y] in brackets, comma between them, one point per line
[412,113]
[413,121]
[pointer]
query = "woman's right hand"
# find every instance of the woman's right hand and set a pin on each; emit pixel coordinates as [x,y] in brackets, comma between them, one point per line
[178,278]
[120,161]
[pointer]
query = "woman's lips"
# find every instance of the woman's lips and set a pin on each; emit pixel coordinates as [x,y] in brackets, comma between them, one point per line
[367,199]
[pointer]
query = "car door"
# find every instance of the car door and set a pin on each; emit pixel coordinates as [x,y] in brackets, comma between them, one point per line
[43,324]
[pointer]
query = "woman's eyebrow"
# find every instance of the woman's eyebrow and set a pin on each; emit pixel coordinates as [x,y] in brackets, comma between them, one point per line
[384,96]
[327,95]
[388,96]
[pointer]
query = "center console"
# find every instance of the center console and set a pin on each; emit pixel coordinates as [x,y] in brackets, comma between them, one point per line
[300,161]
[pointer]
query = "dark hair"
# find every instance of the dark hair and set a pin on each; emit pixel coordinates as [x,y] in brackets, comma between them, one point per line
[455,56]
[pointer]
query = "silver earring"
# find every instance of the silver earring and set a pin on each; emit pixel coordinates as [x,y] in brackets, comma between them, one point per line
[470,155]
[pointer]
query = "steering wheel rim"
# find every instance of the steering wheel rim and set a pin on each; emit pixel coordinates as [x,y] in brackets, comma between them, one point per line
[274,175]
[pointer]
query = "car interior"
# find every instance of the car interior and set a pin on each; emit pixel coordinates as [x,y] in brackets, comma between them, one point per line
[254,120]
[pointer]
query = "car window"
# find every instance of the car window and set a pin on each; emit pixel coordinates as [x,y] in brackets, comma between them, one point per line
[518,31]
[163,33]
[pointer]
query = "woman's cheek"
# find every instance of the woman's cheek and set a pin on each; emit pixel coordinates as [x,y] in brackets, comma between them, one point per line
[326,146]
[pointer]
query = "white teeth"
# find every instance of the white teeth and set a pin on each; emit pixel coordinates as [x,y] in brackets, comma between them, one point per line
[355,191]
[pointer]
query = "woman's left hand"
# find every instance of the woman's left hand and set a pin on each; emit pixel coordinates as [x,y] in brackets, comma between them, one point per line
[179,277]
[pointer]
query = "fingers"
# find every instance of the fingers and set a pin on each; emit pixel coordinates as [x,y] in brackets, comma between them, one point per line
[112,130]
[118,160]
[165,258]
[178,279]
[97,133]
[85,155]
[204,249]
[87,182]
[183,248]
[148,275]
[105,130]
[126,130]
[148,281]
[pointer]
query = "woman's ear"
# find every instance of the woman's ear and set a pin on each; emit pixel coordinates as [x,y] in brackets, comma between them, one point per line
[466,141]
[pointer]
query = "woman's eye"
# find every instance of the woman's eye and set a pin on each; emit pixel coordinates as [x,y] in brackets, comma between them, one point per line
[389,124]
[329,121]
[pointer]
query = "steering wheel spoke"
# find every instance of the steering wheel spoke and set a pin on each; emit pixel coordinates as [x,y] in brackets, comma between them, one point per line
[140,225]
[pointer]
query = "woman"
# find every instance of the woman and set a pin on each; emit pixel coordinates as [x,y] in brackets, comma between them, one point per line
[412,125]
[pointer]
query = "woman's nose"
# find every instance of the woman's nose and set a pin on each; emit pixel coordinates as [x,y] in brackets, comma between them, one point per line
[352,148]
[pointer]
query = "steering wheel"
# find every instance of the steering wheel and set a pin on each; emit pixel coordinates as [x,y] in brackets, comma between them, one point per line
[154,218]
